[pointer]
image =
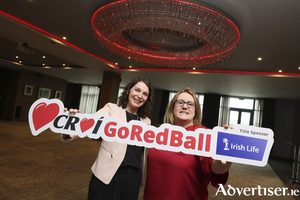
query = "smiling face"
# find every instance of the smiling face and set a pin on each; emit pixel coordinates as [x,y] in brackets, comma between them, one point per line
[137,97]
[183,115]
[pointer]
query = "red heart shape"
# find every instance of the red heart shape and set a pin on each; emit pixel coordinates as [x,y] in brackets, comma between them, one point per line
[86,124]
[44,114]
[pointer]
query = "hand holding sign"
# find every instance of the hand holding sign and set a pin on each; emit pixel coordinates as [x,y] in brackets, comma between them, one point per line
[243,144]
[65,137]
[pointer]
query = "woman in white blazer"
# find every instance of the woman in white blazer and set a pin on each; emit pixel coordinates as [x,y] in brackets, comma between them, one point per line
[117,171]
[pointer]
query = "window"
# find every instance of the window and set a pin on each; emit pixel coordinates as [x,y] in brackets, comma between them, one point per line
[89,99]
[240,116]
[120,93]
[240,111]
[241,103]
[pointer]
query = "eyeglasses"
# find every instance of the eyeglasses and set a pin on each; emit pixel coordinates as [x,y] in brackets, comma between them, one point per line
[181,103]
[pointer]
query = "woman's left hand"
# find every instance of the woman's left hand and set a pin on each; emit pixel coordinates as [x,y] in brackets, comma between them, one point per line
[226,126]
[221,166]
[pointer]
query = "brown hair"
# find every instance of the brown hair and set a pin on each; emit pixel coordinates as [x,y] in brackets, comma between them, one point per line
[169,115]
[146,108]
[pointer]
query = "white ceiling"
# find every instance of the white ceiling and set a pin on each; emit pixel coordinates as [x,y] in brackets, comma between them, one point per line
[269,29]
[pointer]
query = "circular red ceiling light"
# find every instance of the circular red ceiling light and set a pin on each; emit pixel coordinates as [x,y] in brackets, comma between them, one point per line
[165,32]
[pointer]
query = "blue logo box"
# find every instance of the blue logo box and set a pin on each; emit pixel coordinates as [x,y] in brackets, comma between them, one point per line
[240,146]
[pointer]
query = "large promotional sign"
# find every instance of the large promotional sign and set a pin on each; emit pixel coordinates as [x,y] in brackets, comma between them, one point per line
[243,144]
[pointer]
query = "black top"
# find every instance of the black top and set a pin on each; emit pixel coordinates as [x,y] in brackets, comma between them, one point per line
[133,156]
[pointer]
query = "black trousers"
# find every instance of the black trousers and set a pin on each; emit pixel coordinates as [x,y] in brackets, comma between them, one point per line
[125,185]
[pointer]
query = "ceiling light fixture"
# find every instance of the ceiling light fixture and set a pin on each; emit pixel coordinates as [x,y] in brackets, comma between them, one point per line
[168,33]
[259,58]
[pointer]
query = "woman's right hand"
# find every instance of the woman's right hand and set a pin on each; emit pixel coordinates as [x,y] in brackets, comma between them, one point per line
[72,110]
[65,137]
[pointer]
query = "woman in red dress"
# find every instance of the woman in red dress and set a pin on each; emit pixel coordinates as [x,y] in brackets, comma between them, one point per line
[180,176]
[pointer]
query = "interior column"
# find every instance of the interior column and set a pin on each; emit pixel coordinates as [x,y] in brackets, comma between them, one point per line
[109,88]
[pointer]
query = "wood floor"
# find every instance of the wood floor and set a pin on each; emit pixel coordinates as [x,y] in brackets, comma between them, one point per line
[283,168]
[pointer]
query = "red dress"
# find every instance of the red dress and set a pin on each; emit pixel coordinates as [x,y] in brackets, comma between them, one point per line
[179,176]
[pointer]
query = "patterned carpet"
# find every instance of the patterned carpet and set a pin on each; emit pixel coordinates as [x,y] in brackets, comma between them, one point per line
[246,176]
[43,167]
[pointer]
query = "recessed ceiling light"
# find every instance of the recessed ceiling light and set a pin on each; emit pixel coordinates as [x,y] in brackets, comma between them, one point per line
[43,64]
[44,56]
[116,63]
[64,38]
[298,67]
[259,58]
[280,71]
[64,64]
[194,68]
[130,66]
[20,61]
[128,57]
[17,56]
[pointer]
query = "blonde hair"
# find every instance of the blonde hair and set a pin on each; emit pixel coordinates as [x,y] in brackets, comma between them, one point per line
[169,115]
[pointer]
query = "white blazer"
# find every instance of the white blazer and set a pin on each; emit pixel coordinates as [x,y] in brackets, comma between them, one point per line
[111,154]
